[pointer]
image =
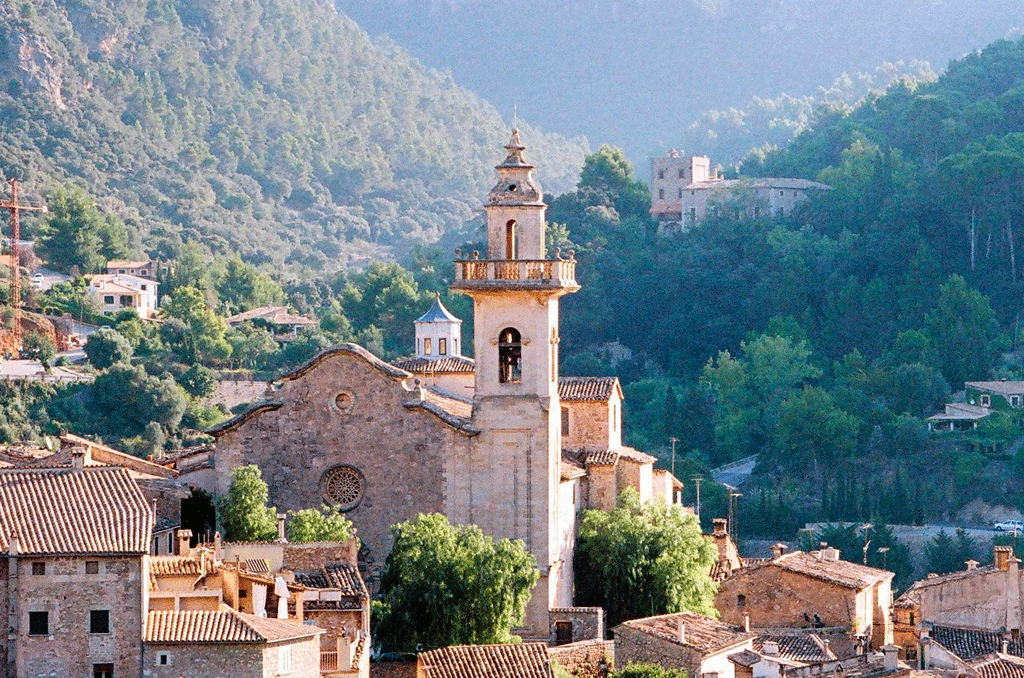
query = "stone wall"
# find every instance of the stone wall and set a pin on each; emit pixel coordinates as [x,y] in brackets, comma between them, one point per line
[587,622]
[990,599]
[311,556]
[305,658]
[604,487]
[68,595]
[581,659]
[775,597]
[633,646]
[202,660]
[588,426]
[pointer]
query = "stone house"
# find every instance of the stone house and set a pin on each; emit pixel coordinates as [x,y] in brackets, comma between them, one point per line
[682,640]
[684,190]
[803,589]
[151,269]
[1000,395]
[283,323]
[74,571]
[520,660]
[774,653]
[223,642]
[385,443]
[979,598]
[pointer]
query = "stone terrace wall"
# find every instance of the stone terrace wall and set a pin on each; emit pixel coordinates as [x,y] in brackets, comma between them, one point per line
[581,659]
[633,646]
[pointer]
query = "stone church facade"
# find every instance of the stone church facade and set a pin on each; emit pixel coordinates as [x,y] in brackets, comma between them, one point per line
[500,441]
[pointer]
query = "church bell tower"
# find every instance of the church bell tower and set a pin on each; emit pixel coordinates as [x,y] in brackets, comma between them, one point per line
[515,465]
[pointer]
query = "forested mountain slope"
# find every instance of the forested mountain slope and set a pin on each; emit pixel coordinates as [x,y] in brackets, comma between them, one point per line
[273,128]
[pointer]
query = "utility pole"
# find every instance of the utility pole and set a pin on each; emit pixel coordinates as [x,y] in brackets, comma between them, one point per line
[696,480]
[15,209]
[673,440]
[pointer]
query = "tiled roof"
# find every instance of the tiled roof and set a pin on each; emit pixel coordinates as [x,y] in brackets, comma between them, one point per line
[961,412]
[841,572]
[437,313]
[1001,387]
[342,576]
[220,626]
[801,647]
[636,456]
[703,634]
[1001,666]
[571,468]
[275,315]
[597,389]
[176,566]
[256,565]
[601,458]
[448,365]
[971,644]
[64,511]
[521,660]
[458,407]
[117,263]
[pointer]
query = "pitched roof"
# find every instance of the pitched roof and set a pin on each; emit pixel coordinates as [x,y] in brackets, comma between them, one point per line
[179,566]
[571,468]
[438,313]
[521,660]
[341,576]
[64,511]
[117,263]
[275,315]
[800,647]
[912,596]
[1001,387]
[961,411]
[841,572]
[636,456]
[971,644]
[601,458]
[448,365]
[220,626]
[454,405]
[589,389]
[701,633]
[1001,666]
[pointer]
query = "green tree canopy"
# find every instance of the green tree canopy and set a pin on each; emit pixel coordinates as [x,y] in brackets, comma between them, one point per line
[107,347]
[447,584]
[323,524]
[964,332]
[75,236]
[648,671]
[945,554]
[126,399]
[641,560]
[244,514]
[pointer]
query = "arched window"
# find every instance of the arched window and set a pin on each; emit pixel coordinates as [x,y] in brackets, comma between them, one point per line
[510,239]
[510,354]
[741,600]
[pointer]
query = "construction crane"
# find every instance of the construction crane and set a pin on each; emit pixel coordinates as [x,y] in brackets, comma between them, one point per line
[15,208]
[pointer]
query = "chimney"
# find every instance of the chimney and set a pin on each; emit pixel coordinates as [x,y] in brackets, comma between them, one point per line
[78,458]
[746,623]
[14,545]
[719,527]
[1001,556]
[770,648]
[280,526]
[831,554]
[218,547]
[184,539]
[152,510]
[971,564]
[682,631]
[778,550]
[891,654]
[1004,646]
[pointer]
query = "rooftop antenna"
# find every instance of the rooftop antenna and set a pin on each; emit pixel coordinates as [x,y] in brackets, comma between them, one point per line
[15,208]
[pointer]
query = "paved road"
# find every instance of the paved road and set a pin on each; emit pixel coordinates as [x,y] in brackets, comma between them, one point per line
[736,473]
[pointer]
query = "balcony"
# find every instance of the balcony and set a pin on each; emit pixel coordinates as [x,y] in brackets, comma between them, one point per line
[523,274]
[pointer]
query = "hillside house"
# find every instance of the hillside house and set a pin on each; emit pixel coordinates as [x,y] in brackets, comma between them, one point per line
[151,269]
[114,293]
[1000,395]
[684,190]
[278,319]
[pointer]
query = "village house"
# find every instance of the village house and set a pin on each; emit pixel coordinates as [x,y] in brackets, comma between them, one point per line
[981,400]
[684,190]
[114,293]
[383,443]
[775,653]
[150,269]
[74,574]
[809,589]
[284,324]
[682,640]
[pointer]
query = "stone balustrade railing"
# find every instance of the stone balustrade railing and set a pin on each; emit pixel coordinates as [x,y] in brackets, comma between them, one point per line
[526,272]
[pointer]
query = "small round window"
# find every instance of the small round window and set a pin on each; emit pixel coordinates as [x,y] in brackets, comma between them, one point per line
[342,402]
[343,487]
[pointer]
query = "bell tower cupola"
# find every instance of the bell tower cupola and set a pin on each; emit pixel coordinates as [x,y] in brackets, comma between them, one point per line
[515,208]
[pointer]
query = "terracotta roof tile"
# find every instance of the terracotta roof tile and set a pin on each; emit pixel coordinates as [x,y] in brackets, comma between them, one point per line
[522,660]
[63,511]
[571,468]
[601,458]
[1001,666]
[177,566]
[594,389]
[220,626]
[453,405]
[801,647]
[703,634]
[449,365]
[1001,387]
[841,572]
[636,456]
[342,576]
[971,644]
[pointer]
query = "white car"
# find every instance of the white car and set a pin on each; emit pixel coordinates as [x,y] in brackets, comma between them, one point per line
[1015,526]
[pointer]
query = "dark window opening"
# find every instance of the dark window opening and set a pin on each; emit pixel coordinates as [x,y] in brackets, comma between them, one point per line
[661,174]
[164,659]
[38,568]
[108,299]
[661,194]
[127,300]
[563,632]
[510,239]
[99,621]
[510,354]
[102,671]
[741,600]
[38,623]
[682,173]
[92,567]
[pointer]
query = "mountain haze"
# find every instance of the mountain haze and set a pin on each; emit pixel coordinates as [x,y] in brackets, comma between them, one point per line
[273,128]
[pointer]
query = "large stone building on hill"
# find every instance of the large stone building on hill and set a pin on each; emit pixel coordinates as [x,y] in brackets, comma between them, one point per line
[500,441]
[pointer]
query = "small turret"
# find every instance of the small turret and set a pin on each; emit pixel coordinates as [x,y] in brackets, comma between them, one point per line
[438,333]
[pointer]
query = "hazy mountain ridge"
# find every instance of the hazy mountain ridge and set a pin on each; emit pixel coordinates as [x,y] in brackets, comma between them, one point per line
[275,128]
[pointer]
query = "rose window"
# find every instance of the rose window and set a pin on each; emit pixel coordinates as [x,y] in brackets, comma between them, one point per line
[343,487]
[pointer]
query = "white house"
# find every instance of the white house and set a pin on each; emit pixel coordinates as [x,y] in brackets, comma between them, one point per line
[114,292]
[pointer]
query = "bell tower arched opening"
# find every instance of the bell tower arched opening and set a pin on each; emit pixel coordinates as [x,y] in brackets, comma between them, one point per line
[510,356]
[510,239]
